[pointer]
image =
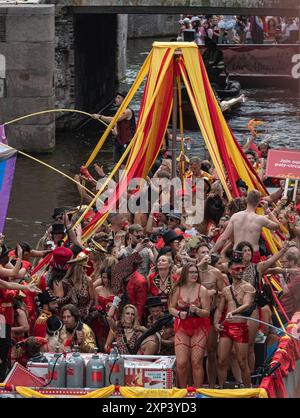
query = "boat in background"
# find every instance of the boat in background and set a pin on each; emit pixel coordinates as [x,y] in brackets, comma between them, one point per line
[261,65]
[229,98]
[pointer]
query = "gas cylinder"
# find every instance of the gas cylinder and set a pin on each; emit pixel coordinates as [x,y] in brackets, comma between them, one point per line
[94,372]
[57,371]
[75,371]
[114,368]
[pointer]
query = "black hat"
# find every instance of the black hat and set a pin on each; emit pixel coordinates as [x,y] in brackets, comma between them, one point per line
[4,250]
[122,93]
[54,324]
[174,215]
[236,257]
[164,250]
[58,229]
[153,301]
[58,211]
[170,236]
[46,297]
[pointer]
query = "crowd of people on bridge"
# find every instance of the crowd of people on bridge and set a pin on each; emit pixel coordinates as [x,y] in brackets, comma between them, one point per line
[240,29]
[157,282]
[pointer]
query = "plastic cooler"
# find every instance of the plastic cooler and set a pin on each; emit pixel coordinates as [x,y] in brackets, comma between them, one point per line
[152,372]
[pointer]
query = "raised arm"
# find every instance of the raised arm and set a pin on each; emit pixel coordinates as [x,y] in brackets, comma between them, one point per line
[263,266]
[223,238]
[267,223]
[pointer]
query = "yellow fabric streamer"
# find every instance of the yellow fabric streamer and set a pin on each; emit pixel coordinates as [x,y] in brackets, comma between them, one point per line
[140,77]
[136,141]
[31,393]
[234,393]
[139,392]
[181,129]
[191,61]
[100,393]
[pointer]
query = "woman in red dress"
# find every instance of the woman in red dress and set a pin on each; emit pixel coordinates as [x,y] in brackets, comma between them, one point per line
[189,302]
[104,297]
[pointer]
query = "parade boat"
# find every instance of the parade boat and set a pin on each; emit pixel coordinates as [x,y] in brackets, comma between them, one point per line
[261,65]
[281,376]
[154,376]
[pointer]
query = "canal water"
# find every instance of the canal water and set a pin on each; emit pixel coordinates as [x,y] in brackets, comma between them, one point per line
[37,190]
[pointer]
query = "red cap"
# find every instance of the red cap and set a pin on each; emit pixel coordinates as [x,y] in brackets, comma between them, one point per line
[61,255]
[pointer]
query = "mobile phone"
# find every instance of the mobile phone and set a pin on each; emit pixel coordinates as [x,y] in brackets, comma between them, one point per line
[145,240]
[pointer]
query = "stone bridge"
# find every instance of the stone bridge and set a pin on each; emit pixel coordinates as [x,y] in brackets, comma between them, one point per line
[70,53]
[244,7]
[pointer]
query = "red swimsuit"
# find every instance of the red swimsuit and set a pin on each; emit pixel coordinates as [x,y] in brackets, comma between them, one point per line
[191,325]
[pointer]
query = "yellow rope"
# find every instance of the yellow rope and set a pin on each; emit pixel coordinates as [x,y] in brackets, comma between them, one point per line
[49,166]
[51,111]
[105,184]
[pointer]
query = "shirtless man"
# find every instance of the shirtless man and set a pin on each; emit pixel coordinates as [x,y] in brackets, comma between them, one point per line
[246,226]
[212,279]
[239,298]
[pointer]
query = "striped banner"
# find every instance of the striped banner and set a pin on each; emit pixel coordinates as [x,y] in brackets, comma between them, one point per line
[7,169]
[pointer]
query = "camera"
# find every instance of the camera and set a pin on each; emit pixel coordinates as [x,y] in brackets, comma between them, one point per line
[214,258]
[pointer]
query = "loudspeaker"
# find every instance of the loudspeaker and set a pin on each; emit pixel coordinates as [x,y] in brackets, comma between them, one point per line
[189,35]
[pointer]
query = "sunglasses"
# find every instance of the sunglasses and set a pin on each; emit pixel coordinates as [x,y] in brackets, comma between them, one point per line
[238,268]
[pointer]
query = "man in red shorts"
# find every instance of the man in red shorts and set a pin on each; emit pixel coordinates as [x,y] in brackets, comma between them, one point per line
[238,298]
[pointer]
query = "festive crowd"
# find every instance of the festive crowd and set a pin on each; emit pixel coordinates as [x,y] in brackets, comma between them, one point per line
[240,29]
[154,283]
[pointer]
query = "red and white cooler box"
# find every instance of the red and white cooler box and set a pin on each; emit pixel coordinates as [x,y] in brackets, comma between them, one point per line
[151,372]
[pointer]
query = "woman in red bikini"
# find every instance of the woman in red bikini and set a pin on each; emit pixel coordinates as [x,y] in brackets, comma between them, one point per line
[189,302]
